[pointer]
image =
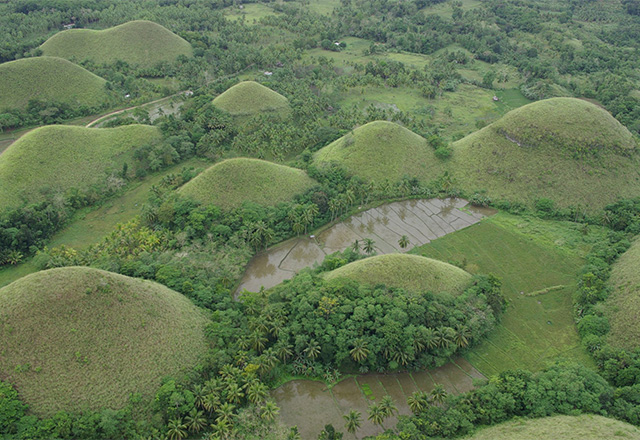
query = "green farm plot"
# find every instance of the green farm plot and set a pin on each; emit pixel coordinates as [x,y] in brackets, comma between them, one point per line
[538,262]
[250,12]
[583,427]
[454,113]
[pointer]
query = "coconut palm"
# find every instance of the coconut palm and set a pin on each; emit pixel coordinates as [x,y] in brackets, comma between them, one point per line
[369,246]
[353,421]
[418,401]
[269,411]
[376,414]
[388,406]
[356,246]
[195,421]
[211,402]
[403,242]
[176,429]
[360,351]
[462,336]
[257,392]
[234,393]
[313,349]
[439,394]
[284,351]
[225,413]
[198,396]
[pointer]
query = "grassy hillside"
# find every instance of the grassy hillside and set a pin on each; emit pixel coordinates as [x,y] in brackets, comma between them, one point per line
[142,43]
[565,149]
[79,338]
[383,150]
[249,98]
[56,158]
[623,304]
[232,182]
[584,427]
[537,261]
[48,78]
[409,272]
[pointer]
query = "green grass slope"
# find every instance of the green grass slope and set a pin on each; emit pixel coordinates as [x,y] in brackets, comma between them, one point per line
[56,158]
[383,150]
[623,304]
[142,43]
[232,182]
[251,98]
[537,261]
[48,78]
[584,427]
[564,149]
[78,338]
[410,272]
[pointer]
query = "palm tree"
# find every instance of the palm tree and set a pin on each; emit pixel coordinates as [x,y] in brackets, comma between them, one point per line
[294,434]
[313,349]
[269,411]
[258,341]
[198,395]
[360,351]
[388,406]
[418,401]
[376,414]
[403,242]
[177,430]
[308,215]
[462,336]
[353,421]
[234,393]
[283,351]
[368,246]
[225,413]
[195,421]
[211,402]
[257,392]
[356,246]
[439,394]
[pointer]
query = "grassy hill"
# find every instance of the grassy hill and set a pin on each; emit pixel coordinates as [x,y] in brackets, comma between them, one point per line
[623,303]
[56,158]
[78,338]
[584,427]
[232,182]
[410,272]
[250,98]
[565,149]
[143,43]
[383,150]
[48,78]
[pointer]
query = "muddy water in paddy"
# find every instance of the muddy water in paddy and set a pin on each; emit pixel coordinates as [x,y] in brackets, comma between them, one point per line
[310,405]
[420,220]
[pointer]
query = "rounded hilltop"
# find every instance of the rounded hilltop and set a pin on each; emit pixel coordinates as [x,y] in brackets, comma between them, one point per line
[564,149]
[56,158]
[49,79]
[583,427]
[141,43]
[78,339]
[410,272]
[251,98]
[232,182]
[382,150]
[623,303]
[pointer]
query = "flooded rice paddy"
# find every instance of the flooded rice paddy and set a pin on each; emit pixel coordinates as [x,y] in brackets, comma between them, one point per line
[420,220]
[310,404]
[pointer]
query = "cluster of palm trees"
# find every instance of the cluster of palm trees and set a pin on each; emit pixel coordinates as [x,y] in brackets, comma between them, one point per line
[302,216]
[368,246]
[218,400]
[420,400]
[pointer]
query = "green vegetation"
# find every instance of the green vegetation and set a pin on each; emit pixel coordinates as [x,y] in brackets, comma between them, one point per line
[529,255]
[49,79]
[79,338]
[623,302]
[251,98]
[232,182]
[584,427]
[382,150]
[563,149]
[409,272]
[141,43]
[55,159]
